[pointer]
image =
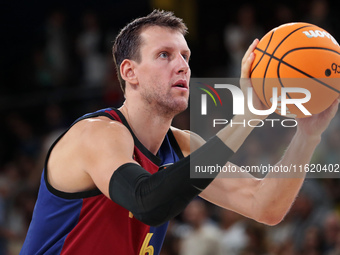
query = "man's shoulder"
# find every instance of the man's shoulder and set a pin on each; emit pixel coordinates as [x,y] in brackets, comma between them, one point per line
[100,125]
[99,131]
[89,148]
[179,133]
[187,140]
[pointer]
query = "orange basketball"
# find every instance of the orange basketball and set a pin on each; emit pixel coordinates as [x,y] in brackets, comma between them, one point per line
[297,55]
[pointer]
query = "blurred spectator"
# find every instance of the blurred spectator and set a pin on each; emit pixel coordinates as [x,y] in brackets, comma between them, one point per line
[204,237]
[238,37]
[56,49]
[13,224]
[233,238]
[309,210]
[279,237]
[89,47]
[173,238]
[257,243]
[313,242]
[331,233]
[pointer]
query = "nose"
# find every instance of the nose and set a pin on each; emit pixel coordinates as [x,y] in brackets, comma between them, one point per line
[182,65]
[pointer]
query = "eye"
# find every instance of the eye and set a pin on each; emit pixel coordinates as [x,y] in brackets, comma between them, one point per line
[163,55]
[186,57]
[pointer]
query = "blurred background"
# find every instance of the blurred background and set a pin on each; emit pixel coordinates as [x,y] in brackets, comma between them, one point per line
[56,65]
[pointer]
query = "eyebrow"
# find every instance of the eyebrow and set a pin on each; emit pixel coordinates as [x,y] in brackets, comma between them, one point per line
[169,48]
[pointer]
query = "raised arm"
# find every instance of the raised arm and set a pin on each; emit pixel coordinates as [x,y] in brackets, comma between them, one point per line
[268,200]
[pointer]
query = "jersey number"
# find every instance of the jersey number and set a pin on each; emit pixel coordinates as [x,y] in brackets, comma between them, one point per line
[146,248]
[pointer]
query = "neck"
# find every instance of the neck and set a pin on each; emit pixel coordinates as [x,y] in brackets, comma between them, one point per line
[149,126]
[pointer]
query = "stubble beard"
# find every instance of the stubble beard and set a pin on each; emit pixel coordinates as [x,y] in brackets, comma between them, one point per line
[165,104]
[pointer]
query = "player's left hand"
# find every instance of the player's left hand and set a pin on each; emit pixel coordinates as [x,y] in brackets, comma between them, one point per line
[245,81]
[316,124]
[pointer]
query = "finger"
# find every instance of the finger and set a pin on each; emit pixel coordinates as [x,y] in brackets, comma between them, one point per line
[251,48]
[331,111]
[248,59]
[246,66]
[335,107]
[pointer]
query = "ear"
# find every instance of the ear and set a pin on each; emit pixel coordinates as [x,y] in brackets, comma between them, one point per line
[127,71]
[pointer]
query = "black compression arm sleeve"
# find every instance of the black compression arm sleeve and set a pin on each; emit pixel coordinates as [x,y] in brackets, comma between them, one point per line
[154,199]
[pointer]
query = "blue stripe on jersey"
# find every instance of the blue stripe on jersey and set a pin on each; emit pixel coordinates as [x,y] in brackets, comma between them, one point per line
[166,153]
[158,237]
[168,157]
[60,215]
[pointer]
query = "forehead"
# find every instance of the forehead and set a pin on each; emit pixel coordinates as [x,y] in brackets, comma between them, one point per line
[158,37]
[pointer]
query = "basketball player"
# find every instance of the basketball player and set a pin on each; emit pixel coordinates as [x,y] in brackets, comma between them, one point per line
[113,181]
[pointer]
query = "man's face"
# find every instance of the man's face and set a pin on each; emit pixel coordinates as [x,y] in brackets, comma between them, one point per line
[164,73]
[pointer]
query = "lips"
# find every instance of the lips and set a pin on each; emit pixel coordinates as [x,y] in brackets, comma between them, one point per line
[181,84]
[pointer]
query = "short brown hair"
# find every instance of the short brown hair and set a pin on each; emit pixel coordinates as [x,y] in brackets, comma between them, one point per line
[128,42]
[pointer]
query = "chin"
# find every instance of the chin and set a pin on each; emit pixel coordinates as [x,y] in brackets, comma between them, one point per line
[182,104]
[181,108]
[176,107]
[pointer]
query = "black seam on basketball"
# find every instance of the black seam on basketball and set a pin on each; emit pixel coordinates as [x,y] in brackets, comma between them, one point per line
[302,72]
[270,39]
[297,69]
[279,60]
[264,76]
[272,55]
[265,51]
